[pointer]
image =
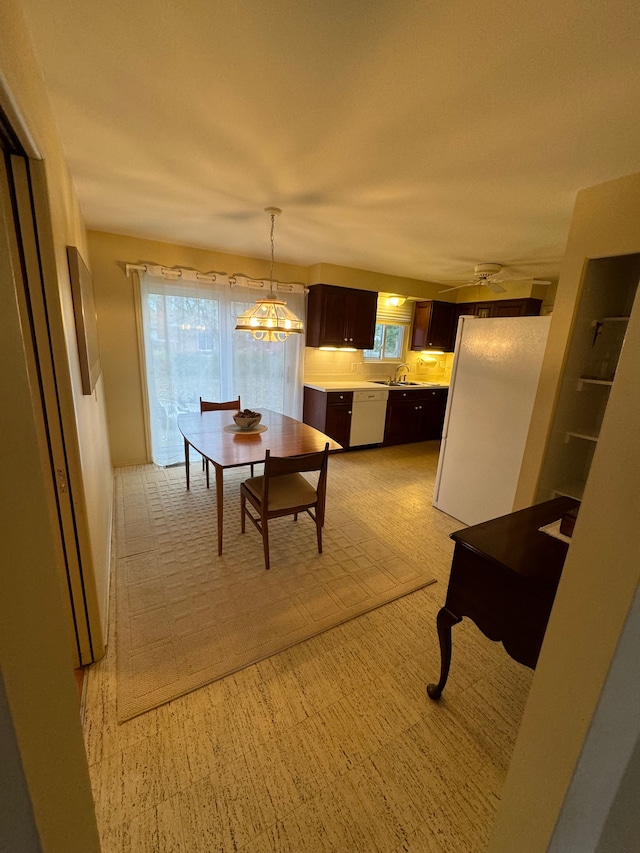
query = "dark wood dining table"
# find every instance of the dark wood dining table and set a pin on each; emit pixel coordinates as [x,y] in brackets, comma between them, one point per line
[284,436]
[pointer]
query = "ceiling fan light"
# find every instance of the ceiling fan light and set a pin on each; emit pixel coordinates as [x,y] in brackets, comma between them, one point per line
[483,271]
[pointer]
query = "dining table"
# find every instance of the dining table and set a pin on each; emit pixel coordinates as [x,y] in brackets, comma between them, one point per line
[215,436]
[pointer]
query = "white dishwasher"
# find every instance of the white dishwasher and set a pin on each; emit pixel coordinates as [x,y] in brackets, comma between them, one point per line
[368,414]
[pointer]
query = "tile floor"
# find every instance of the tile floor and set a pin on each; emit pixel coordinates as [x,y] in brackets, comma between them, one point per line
[332,745]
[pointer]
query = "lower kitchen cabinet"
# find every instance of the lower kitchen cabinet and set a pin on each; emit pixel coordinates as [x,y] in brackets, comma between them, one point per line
[415,415]
[330,412]
[433,414]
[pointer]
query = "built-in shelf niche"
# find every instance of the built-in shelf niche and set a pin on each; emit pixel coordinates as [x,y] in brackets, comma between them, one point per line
[605,304]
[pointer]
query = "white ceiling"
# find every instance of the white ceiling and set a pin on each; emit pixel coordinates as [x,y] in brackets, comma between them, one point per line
[400,136]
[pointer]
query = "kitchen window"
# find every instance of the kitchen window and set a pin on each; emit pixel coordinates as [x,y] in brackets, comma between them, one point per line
[388,342]
[393,324]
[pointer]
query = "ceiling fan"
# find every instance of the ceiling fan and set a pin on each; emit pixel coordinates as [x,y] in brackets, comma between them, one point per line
[491,276]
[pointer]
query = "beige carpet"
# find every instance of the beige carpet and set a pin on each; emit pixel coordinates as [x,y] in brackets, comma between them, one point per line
[186,617]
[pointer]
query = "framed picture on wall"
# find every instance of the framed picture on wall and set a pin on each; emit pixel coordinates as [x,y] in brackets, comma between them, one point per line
[84,310]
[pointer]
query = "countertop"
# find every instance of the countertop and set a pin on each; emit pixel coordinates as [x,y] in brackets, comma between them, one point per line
[364,385]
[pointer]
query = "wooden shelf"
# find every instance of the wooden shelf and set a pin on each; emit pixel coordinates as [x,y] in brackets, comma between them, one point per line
[581,433]
[588,381]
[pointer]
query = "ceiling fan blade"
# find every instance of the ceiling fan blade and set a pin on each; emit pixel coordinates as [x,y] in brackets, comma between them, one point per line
[495,287]
[458,286]
[518,278]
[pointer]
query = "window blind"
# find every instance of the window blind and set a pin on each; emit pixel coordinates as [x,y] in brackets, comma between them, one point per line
[387,313]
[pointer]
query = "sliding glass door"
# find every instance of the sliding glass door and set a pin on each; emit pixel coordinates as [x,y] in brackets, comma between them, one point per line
[192,350]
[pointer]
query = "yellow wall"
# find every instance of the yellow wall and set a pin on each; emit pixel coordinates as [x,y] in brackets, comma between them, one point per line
[602,571]
[380,282]
[411,287]
[34,646]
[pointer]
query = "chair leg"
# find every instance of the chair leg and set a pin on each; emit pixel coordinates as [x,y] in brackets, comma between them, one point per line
[243,509]
[318,522]
[265,542]
[252,469]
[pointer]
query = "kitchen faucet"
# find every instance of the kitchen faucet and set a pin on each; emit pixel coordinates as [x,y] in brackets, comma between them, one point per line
[399,367]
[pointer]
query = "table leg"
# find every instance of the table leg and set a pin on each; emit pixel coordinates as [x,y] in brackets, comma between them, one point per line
[445,620]
[219,501]
[186,460]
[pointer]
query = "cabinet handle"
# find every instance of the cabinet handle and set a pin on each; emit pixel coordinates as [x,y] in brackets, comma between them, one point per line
[349,413]
[342,396]
[350,339]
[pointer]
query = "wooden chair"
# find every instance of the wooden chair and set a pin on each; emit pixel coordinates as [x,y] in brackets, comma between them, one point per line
[210,406]
[284,491]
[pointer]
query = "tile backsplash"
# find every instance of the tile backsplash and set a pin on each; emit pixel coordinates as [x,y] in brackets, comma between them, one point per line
[320,365]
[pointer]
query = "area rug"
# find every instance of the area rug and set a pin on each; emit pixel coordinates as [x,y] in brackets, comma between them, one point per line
[186,617]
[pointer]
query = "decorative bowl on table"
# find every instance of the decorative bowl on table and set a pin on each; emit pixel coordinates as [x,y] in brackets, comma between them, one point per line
[246,419]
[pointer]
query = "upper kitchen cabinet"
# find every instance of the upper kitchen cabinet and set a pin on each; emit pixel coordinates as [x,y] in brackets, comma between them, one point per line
[434,326]
[341,317]
[501,308]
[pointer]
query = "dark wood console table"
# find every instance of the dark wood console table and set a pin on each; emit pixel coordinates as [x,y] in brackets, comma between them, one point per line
[504,577]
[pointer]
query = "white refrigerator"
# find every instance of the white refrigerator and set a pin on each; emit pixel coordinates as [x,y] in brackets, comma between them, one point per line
[494,381]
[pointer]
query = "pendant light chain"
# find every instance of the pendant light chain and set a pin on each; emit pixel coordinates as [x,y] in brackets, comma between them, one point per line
[273,212]
[273,248]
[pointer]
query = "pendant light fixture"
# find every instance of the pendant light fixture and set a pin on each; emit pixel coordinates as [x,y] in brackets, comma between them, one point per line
[270,319]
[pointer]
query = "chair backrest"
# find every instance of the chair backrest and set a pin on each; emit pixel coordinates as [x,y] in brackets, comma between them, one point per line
[278,466]
[208,406]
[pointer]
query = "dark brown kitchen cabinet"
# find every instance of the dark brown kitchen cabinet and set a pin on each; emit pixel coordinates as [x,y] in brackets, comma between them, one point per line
[434,326]
[401,425]
[341,317]
[330,412]
[433,413]
[501,308]
[415,415]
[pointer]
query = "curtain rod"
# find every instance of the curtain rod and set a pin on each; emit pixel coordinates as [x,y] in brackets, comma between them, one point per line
[232,279]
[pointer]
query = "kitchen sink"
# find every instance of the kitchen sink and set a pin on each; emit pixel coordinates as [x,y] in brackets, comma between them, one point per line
[393,382]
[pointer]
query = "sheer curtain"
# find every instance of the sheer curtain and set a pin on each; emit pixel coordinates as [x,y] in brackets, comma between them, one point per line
[192,350]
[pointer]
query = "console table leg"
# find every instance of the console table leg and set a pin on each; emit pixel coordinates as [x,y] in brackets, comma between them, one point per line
[445,621]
